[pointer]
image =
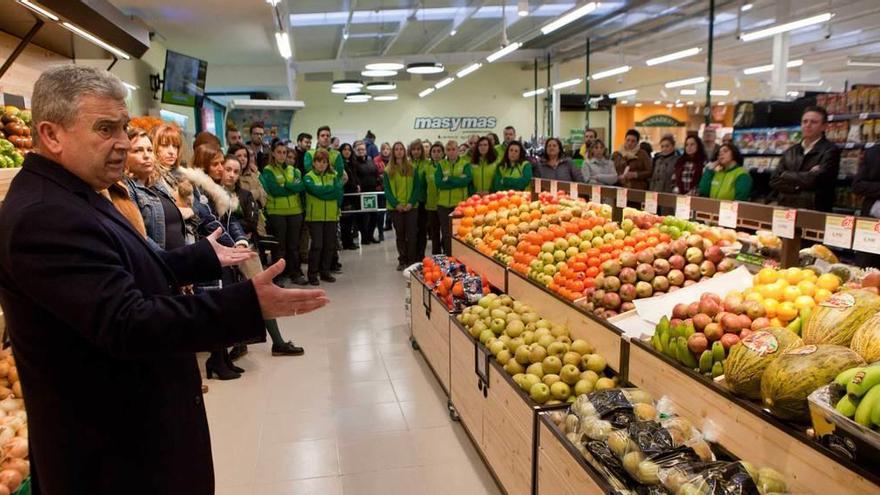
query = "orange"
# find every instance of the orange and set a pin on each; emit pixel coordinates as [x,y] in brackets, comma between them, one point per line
[828,281]
[767,276]
[794,275]
[791,293]
[771,306]
[787,311]
[822,295]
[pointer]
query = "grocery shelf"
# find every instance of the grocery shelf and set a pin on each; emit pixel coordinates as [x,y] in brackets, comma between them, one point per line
[853,116]
[487,267]
[430,328]
[856,146]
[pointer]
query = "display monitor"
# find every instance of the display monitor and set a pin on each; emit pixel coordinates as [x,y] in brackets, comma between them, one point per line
[184,79]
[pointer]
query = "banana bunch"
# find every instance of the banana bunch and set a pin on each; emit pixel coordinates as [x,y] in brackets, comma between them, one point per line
[862,399]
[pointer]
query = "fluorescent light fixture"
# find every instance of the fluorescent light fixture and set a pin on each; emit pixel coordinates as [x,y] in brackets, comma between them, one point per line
[273,3]
[426,92]
[394,66]
[569,17]
[348,100]
[619,94]
[344,90]
[347,84]
[507,50]
[863,62]
[522,9]
[467,70]
[611,72]
[382,86]
[378,73]
[769,67]
[688,92]
[674,56]
[39,9]
[624,102]
[534,92]
[444,83]
[98,41]
[567,84]
[424,68]
[385,98]
[355,97]
[657,102]
[685,82]
[806,84]
[283,42]
[784,28]
[747,7]
[793,94]
[719,92]
[638,105]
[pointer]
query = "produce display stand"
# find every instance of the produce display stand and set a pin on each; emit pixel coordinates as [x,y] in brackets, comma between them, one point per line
[498,416]
[495,272]
[430,329]
[6,176]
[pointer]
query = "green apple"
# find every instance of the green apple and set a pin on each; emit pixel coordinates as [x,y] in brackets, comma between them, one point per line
[497,325]
[530,317]
[514,344]
[485,300]
[561,244]
[540,330]
[512,367]
[557,349]
[503,357]
[515,328]
[535,369]
[537,353]
[550,379]
[572,251]
[581,347]
[496,347]
[552,364]
[548,247]
[522,355]
[570,374]
[558,330]
[545,340]
[604,384]
[571,357]
[528,337]
[518,379]
[590,376]
[586,234]
[596,362]
[528,381]
[485,335]
[559,255]
[585,246]
[550,270]
[498,313]
[583,387]
[539,393]
[560,391]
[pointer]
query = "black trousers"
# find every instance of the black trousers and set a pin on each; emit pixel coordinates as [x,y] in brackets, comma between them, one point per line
[432,226]
[367,224]
[286,229]
[322,248]
[405,229]
[349,229]
[443,213]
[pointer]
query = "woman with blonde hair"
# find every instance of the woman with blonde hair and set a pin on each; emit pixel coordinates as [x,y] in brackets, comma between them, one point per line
[401,199]
[420,163]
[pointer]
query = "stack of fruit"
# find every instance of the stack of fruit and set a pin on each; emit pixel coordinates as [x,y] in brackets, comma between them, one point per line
[452,282]
[660,267]
[16,132]
[784,293]
[862,399]
[540,355]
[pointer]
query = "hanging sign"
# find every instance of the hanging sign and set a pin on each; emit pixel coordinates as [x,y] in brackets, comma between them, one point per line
[660,121]
[838,231]
[651,202]
[867,236]
[783,223]
[727,211]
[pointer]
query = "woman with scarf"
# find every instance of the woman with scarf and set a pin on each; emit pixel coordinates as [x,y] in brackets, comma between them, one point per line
[632,163]
[690,165]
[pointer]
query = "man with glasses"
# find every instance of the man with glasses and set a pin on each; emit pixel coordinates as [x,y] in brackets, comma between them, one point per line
[257,145]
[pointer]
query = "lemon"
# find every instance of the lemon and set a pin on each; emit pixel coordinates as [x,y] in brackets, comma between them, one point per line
[821,295]
[791,293]
[767,276]
[828,281]
[794,275]
[786,311]
[807,287]
[770,307]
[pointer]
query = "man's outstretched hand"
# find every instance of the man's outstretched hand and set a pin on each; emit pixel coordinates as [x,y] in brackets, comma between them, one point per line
[229,256]
[276,302]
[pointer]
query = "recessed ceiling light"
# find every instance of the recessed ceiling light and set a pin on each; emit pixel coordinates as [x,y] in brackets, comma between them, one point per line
[747,7]
[453,32]
[424,68]
[347,84]
[381,86]
[690,102]
[426,92]
[534,92]
[688,92]
[719,92]
[358,97]
[628,92]
[385,98]
[673,56]
[638,104]
[378,73]
[395,66]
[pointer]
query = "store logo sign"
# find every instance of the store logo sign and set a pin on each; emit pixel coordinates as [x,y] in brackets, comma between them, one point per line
[455,123]
[660,121]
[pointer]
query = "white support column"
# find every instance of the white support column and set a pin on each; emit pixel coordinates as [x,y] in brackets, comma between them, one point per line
[556,103]
[779,78]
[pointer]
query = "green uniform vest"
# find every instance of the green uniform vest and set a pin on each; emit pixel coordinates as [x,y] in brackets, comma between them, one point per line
[335,161]
[516,172]
[483,173]
[400,189]
[427,171]
[450,198]
[320,209]
[284,205]
[724,183]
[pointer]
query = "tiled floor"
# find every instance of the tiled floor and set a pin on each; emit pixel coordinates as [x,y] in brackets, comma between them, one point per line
[360,413]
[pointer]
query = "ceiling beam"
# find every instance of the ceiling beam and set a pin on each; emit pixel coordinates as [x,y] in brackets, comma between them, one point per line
[342,38]
[469,11]
[400,28]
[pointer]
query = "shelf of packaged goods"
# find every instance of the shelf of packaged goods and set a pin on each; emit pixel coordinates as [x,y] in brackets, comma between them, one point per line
[430,329]
[6,176]
[500,419]
[601,334]
[487,267]
[745,430]
[561,469]
[853,116]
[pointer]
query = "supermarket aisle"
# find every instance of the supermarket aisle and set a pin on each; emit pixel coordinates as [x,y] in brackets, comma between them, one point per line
[360,413]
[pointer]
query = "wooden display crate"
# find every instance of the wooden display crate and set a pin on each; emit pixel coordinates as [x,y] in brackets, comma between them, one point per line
[745,430]
[495,272]
[561,470]
[601,334]
[430,329]
[6,176]
[498,416]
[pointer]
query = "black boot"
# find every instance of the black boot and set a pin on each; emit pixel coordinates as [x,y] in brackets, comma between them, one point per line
[237,352]
[287,349]
[327,277]
[228,357]
[216,365]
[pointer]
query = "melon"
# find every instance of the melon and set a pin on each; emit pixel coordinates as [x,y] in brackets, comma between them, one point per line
[748,359]
[797,372]
[866,339]
[835,320]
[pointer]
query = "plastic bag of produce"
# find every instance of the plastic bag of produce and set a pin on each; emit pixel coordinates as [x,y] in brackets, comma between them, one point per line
[680,476]
[617,406]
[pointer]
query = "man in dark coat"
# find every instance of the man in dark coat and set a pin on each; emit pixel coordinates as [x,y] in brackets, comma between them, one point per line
[807,171]
[103,339]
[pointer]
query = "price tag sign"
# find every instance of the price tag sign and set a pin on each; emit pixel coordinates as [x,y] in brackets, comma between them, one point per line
[783,223]
[596,194]
[651,202]
[867,238]
[863,116]
[838,231]
[683,207]
[727,211]
[573,189]
[554,187]
[621,198]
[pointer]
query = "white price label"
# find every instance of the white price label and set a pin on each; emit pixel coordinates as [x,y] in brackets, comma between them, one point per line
[554,187]
[573,189]
[596,194]
[838,231]
[683,207]
[651,202]
[863,116]
[621,198]
[727,211]
[783,223]
[867,236]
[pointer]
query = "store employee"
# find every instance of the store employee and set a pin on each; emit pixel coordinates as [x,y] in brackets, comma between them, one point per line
[807,171]
[104,341]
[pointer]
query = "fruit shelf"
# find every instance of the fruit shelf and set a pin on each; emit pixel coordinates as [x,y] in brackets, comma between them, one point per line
[6,176]
[492,269]
[430,329]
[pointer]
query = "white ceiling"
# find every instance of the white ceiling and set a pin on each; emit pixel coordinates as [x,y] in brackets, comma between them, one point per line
[240,33]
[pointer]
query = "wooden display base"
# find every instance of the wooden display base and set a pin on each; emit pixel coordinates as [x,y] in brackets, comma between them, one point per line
[6,176]
[495,272]
[561,470]
[600,334]
[430,329]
